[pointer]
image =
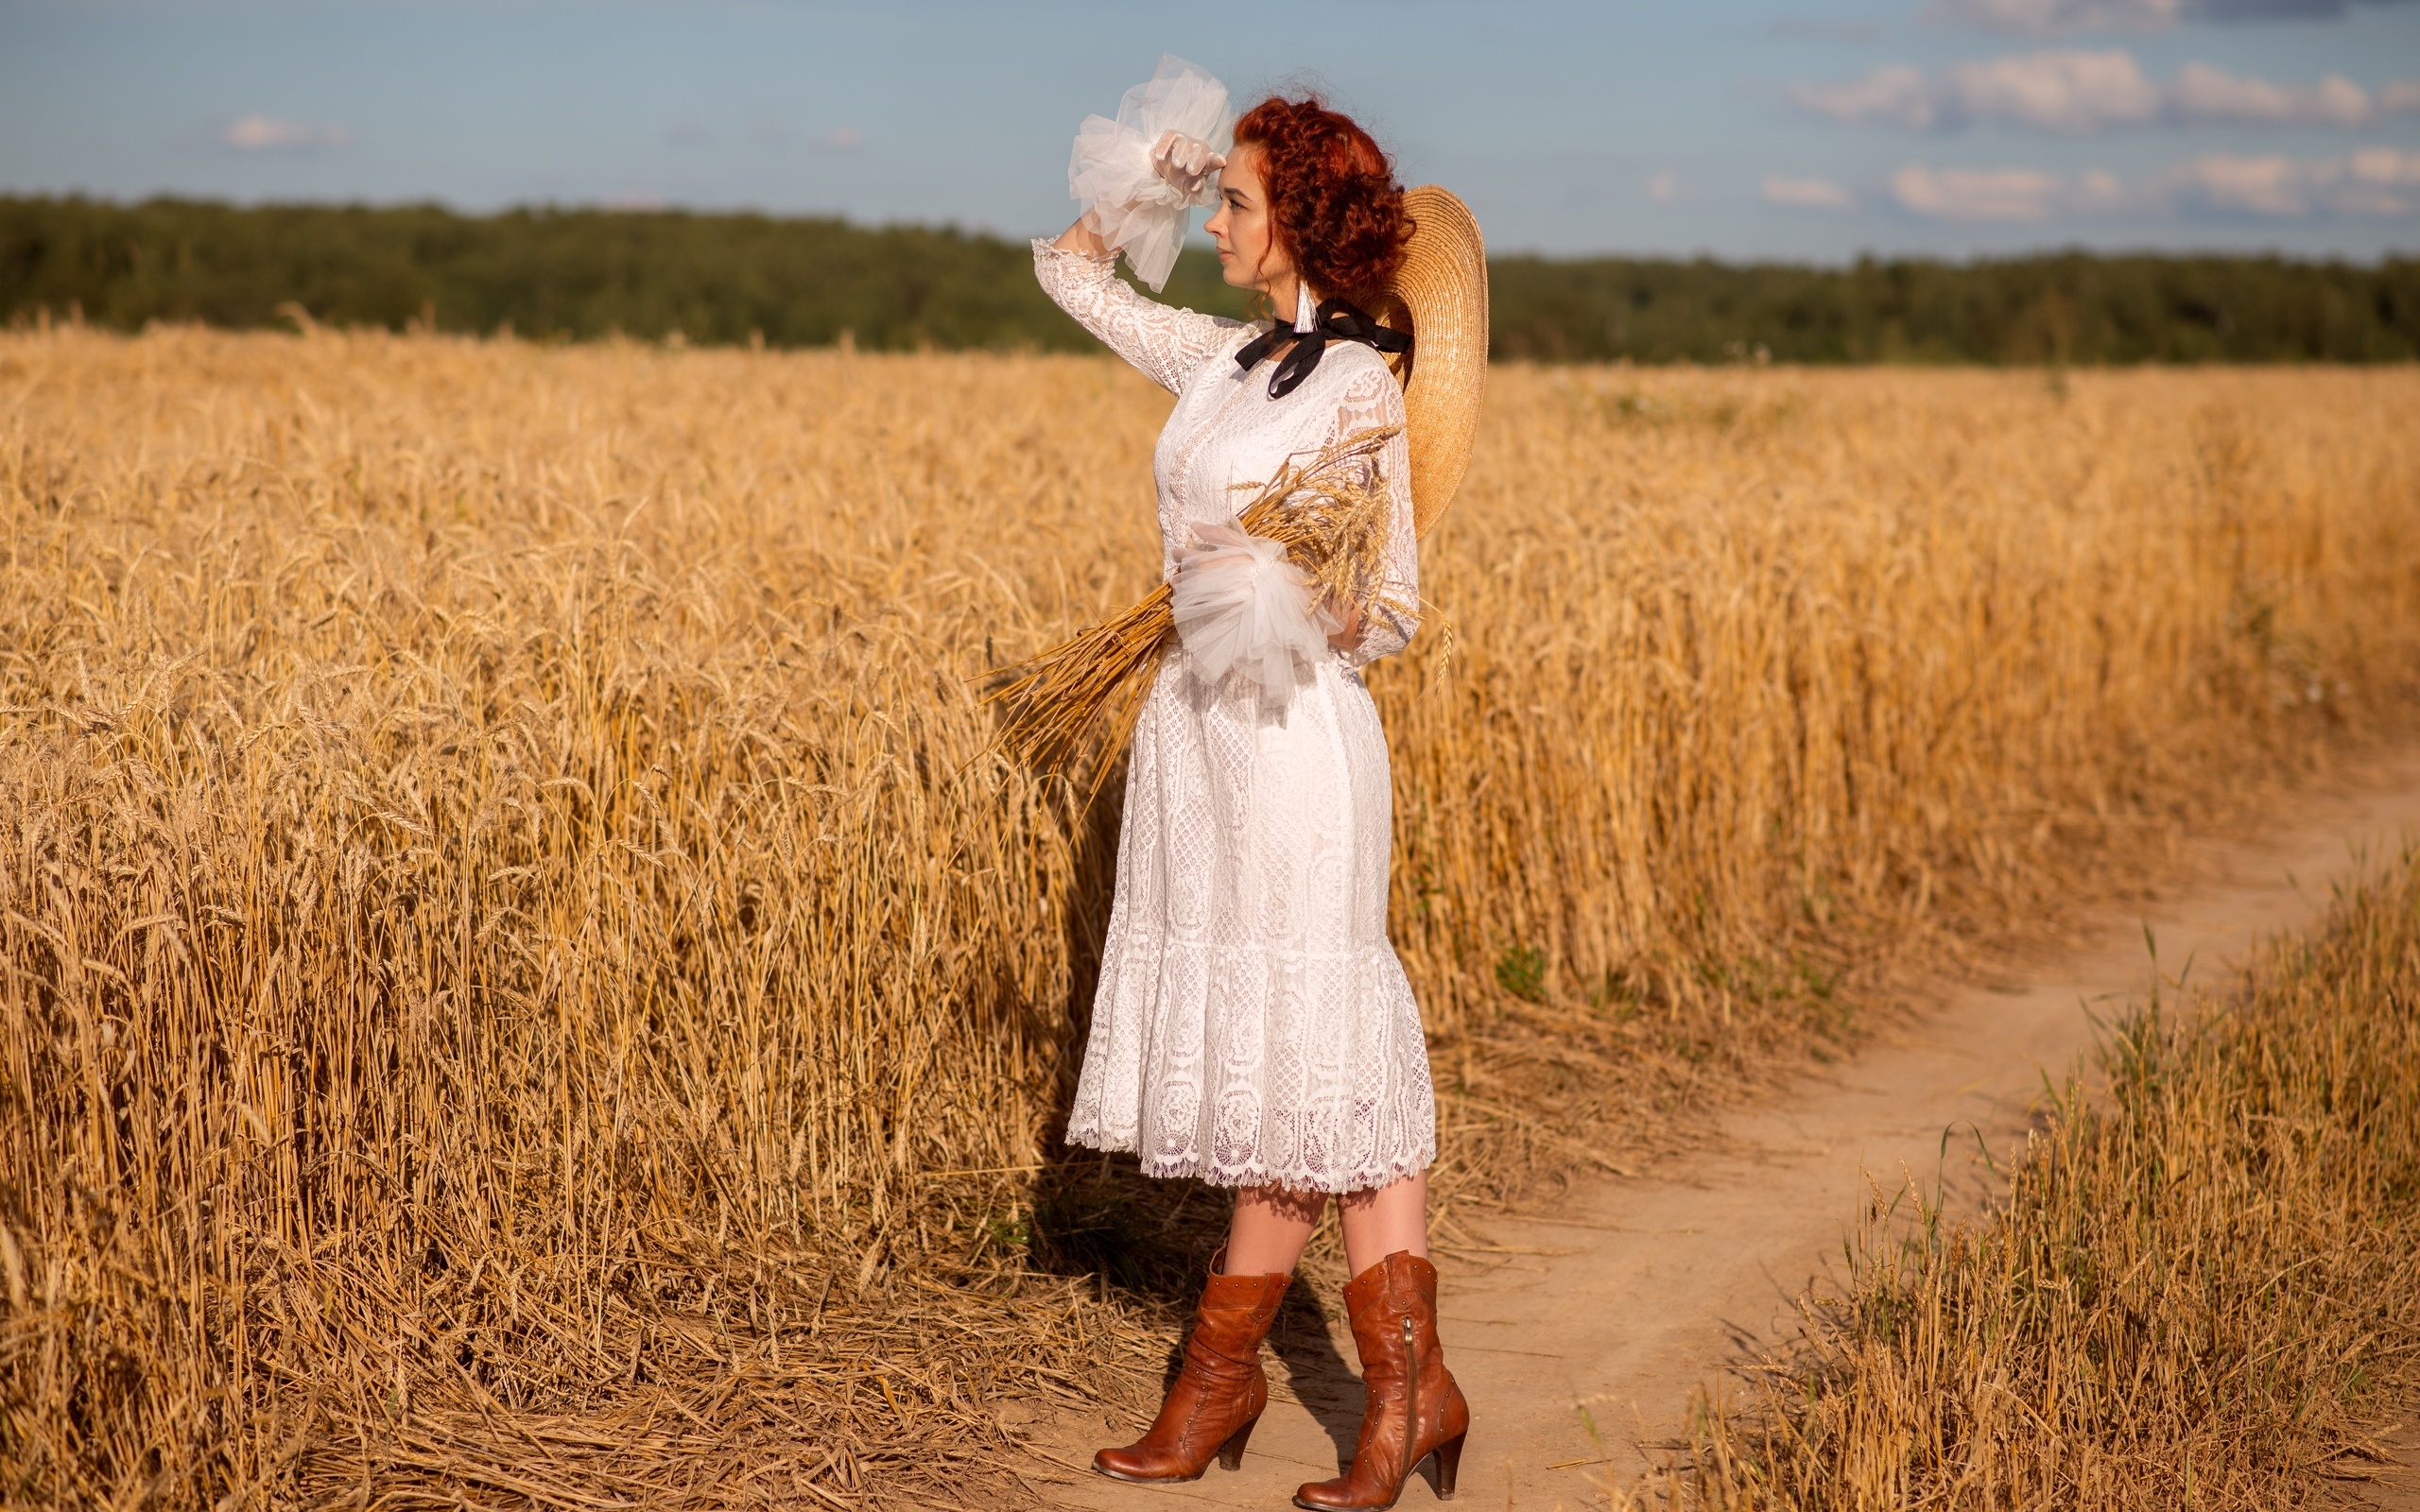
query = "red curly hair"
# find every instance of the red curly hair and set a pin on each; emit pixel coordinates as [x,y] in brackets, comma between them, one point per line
[1333,198]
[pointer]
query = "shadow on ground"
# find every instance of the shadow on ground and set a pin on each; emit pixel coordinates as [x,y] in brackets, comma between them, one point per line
[1152,1240]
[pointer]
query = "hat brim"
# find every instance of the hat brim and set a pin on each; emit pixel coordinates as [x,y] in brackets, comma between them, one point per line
[1440,297]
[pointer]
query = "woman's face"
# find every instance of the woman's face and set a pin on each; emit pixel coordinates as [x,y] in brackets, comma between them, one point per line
[1248,256]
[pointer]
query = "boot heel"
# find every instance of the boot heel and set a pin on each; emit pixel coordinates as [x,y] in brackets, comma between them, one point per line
[1230,1454]
[1449,1463]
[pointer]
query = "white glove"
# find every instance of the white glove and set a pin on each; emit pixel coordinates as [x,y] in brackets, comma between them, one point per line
[1187,165]
[1240,606]
[1140,175]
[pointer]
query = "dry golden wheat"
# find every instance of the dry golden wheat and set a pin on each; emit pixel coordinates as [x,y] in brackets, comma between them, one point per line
[520,965]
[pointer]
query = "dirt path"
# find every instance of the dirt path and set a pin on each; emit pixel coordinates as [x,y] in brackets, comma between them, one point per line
[1581,1332]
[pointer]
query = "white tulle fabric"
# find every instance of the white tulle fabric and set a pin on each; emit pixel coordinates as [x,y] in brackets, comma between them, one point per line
[1135,211]
[1240,606]
[1252,1026]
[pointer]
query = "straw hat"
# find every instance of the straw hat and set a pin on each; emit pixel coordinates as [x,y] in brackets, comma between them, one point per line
[1440,297]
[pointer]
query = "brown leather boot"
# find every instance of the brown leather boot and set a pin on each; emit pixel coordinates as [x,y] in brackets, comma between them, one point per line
[1220,1391]
[1413,1409]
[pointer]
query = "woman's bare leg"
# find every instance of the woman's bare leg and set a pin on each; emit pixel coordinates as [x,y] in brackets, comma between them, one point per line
[1385,1219]
[1269,1228]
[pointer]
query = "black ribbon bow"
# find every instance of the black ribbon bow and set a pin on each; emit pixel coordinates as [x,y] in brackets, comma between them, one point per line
[1335,320]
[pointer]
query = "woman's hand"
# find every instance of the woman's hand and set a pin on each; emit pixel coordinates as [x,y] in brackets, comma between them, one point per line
[1345,615]
[1184,163]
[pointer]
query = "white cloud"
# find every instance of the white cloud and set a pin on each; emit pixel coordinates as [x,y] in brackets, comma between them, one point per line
[1896,94]
[2373,182]
[1978,194]
[2385,165]
[2379,181]
[2097,191]
[2077,91]
[2382,182]
[2270,184]
[2401,95]
[2044,18]
[840,139]
[2066,91]
[1806,193]
[1664,187]
[270,134]
[2203,93]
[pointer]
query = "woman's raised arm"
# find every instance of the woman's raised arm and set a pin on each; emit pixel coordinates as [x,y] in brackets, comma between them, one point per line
[1079,274]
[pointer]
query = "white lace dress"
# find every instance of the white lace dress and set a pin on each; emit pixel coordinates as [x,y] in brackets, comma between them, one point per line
[1252,1024]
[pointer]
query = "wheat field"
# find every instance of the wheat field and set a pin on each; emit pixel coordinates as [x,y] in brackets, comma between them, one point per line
[523,982]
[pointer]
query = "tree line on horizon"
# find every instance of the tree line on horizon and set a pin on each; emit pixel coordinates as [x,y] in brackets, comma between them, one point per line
[718,278]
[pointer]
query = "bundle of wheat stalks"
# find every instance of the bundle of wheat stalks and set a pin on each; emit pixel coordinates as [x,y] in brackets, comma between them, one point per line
[1331,513]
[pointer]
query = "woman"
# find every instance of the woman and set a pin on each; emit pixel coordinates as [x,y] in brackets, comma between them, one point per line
[1253,1027]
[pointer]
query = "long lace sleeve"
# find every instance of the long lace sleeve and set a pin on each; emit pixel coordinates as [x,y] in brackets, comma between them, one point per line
[1167,344]
[1372,399]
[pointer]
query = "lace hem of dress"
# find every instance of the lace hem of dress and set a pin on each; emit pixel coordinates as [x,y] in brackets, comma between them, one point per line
[1256,1064]
[1253,1174]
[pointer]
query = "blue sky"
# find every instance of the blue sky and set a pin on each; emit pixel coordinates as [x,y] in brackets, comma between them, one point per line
[1802,129]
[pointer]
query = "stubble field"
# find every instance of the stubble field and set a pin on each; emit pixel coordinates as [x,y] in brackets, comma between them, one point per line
[521,980]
